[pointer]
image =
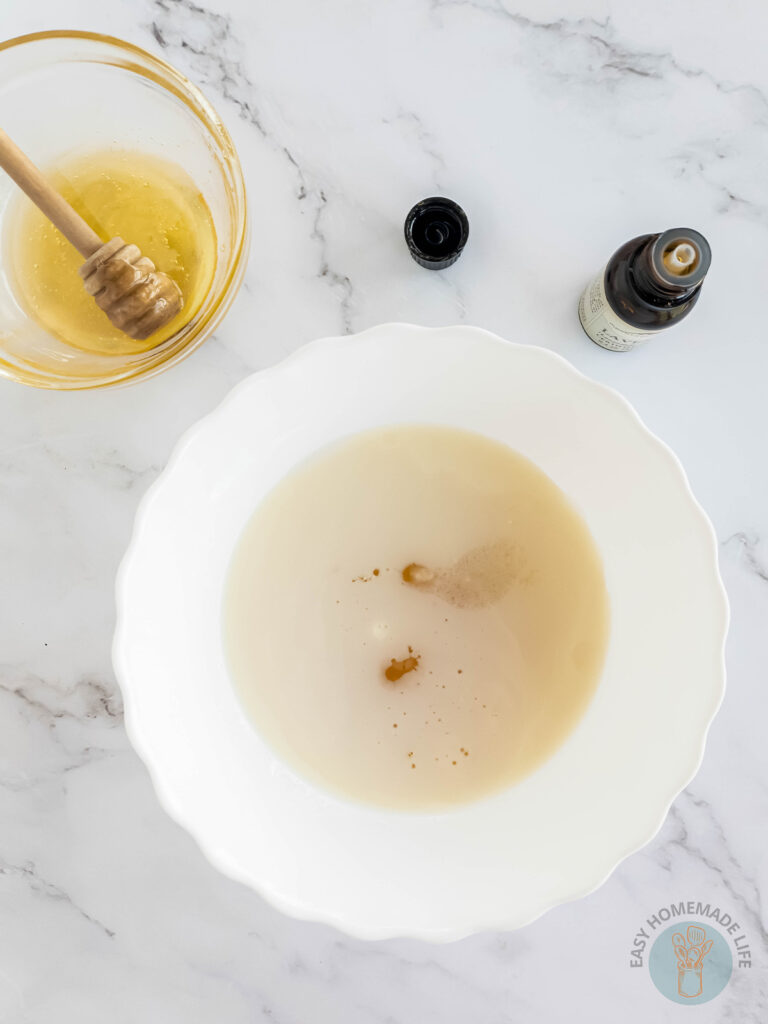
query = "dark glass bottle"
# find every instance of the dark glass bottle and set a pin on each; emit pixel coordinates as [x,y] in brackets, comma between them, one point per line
[648,284]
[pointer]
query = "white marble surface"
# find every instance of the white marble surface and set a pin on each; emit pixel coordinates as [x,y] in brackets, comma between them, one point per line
[564,127]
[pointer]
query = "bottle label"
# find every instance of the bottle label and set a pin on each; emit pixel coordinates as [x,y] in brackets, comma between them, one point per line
[601,323]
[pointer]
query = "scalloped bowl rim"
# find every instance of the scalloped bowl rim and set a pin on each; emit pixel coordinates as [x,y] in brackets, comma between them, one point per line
[461,922]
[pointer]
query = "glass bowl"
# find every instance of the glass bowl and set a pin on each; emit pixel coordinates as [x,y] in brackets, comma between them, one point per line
[67,92]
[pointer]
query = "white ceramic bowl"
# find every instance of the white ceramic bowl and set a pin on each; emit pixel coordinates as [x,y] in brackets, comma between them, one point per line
[497,863]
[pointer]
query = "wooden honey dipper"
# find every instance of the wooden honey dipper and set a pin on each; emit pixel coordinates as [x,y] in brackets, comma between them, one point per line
[137,298]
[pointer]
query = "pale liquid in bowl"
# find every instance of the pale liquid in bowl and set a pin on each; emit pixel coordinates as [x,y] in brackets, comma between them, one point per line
[415,617]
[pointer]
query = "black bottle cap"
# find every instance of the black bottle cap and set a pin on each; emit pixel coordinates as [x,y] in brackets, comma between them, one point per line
[436,231]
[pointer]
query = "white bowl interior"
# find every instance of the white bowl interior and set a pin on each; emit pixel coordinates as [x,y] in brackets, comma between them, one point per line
[502,861]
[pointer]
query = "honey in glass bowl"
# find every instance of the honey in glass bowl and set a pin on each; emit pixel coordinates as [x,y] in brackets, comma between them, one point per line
[163,174]
[146,200]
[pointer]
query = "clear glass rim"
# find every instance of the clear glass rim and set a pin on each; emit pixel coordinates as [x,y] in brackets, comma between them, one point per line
[169,78]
